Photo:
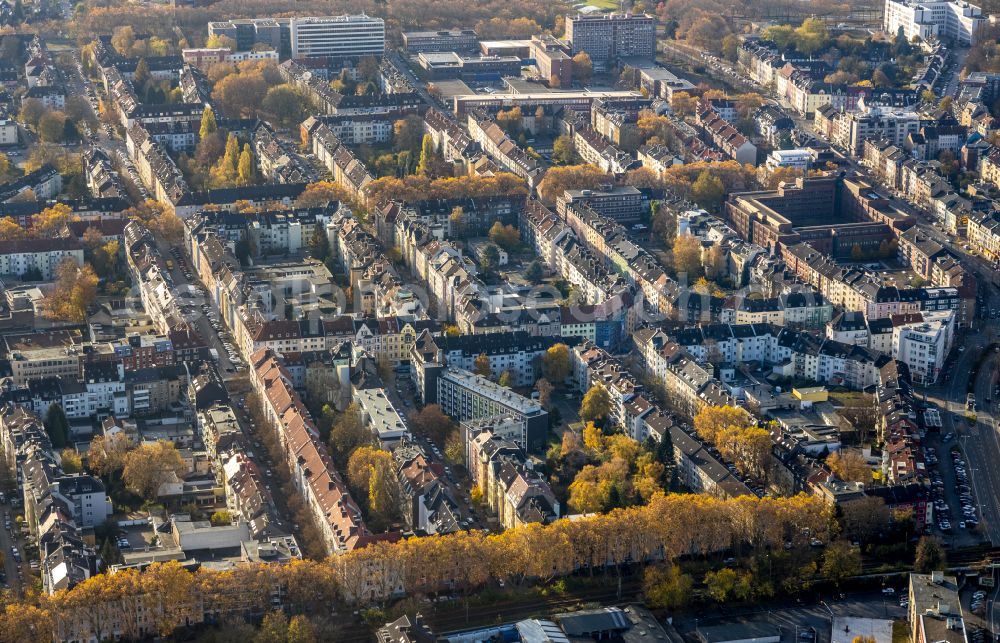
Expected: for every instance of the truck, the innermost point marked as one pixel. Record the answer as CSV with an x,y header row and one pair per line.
x,y
214,353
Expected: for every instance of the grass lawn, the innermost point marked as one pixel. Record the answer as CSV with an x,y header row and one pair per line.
x,y
603,4
900,632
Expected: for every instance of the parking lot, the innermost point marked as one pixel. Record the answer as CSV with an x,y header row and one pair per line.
x,y
955,510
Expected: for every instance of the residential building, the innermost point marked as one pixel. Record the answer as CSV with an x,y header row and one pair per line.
x,y
467,396
935,609
610,37
923,343
512,491
41,257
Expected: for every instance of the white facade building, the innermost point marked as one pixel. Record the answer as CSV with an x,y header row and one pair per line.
x,y
958,21
797,159
8,131
924,345
337,36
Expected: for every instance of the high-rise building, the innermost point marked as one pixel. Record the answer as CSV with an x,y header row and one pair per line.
x,y
608,37
307,36
337,36
954,20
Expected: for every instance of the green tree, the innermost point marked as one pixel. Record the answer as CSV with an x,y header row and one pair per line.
x,y
285,103
596,404
930,555
245,168
666,587
535,272
428,157
231,158
31,112
208,125
841,560
273,628
141,76
490,260
52,127
57,426
665,456
506,380
71,462
720,584
505,236
432,422
811,36
348,432
708,190
563,151
687,256
150,465
408,134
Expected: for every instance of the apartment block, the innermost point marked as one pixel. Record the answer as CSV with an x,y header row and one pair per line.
x,y
609,37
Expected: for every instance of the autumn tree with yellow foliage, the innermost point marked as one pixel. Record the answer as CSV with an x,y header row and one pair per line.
x,y
165,596
734,432
417,187
158,219
74,291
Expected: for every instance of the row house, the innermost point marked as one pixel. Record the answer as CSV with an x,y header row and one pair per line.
x,y
593,366
984,234
855,289
157,169
150,275
102,179
800,309
427,503
346,168
922,183
450,138
885,161
495,142
45,183
794,353
558,245
277,162
57,507
989,167
595,149
658,158
727,138
512,490
313,473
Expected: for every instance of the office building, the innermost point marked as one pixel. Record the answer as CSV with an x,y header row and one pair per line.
x,y
337,36
958,22
463,41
